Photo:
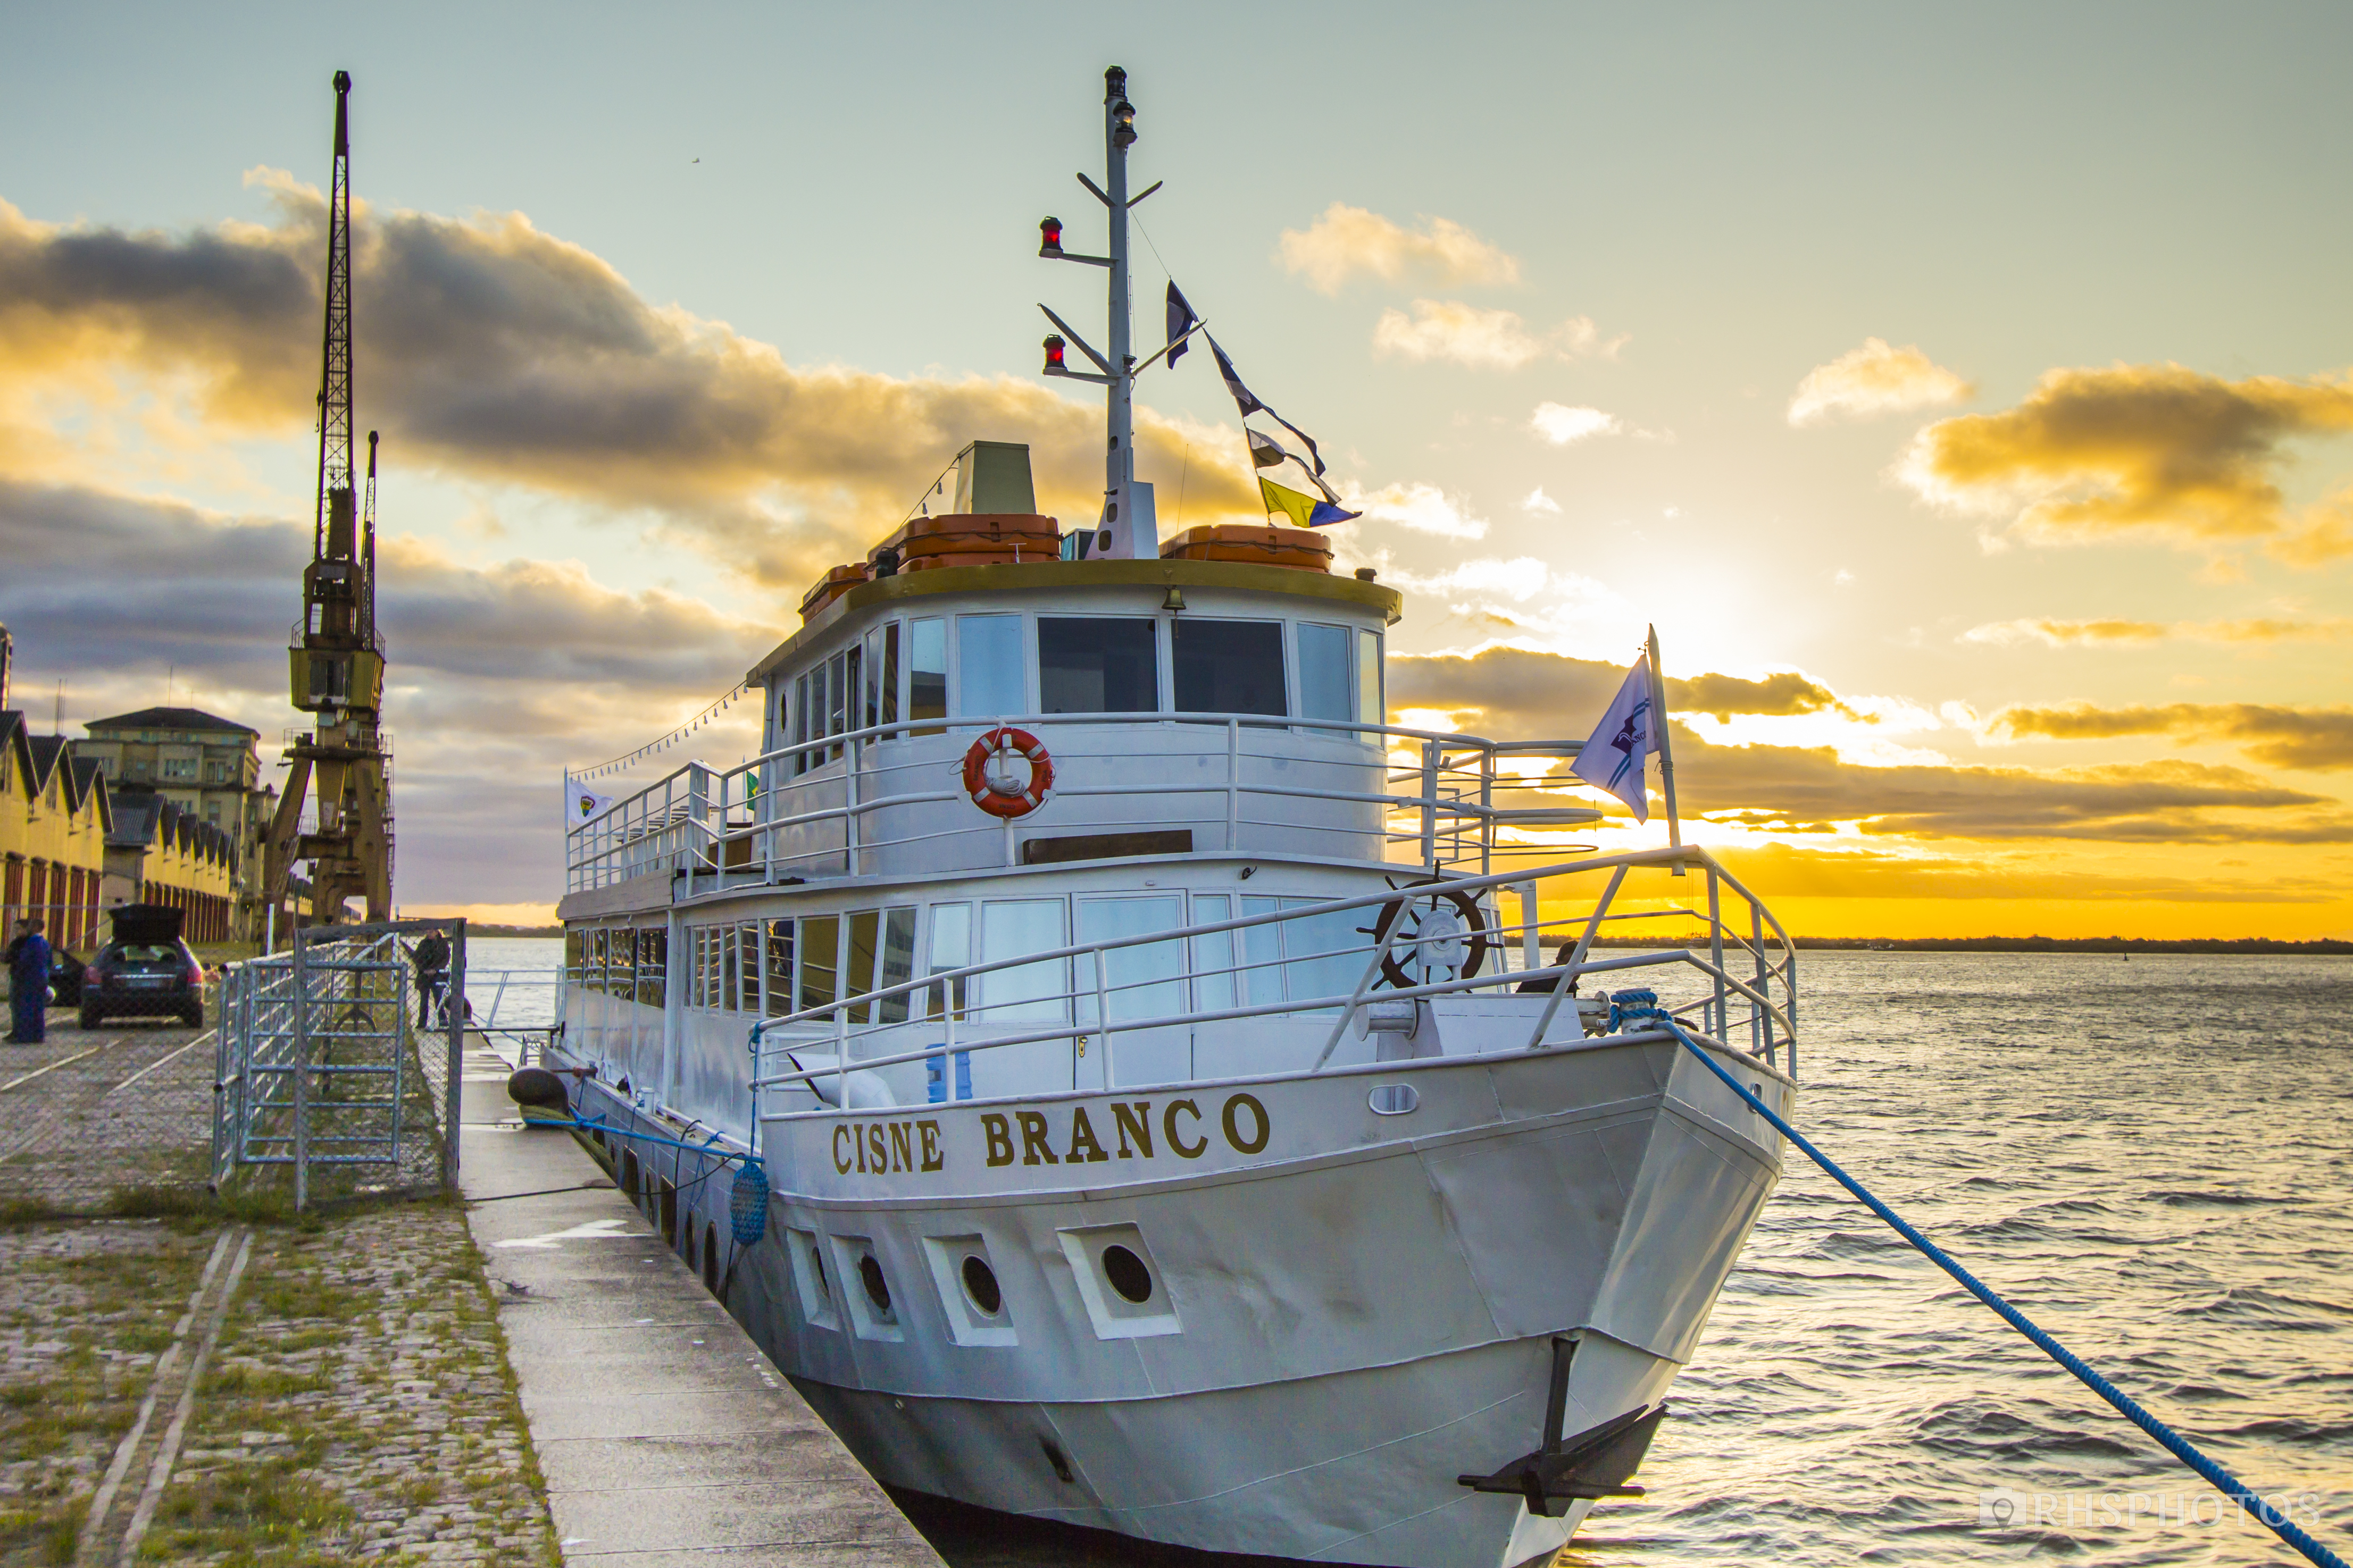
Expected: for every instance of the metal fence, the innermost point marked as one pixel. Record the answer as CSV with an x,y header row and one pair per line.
x,y
338,1064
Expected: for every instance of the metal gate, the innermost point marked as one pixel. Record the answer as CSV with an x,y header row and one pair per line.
x,y
339,1063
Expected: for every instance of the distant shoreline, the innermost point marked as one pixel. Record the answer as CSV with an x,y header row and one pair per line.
x,y
2328,947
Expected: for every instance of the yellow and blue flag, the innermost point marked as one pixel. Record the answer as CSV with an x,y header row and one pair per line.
x,y
1306,511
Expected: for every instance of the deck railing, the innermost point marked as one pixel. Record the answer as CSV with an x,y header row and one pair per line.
x,y
1738,987
1452,804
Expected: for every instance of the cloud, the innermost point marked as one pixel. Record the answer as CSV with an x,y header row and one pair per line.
x,y
1494,340
491,350
1424,508
2310,739
1560,424
497,673
1537,501
2153,450
2054,633
1874,379
2324,535
1519,579
1515,693
1345,241
1519,691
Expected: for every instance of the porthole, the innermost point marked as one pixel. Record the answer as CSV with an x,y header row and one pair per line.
x,y
1127,1274
1393,1098
878,1290
980,1285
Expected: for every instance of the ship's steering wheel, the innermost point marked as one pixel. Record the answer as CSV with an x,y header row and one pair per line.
x,y
1440,937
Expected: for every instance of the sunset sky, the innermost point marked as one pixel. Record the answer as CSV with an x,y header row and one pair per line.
x,y
1966,395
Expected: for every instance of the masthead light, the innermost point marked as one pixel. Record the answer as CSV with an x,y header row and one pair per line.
x,y
1049,237
1054,346
1123,114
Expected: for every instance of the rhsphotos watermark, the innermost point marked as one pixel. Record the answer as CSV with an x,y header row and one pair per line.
x,y
2187,1508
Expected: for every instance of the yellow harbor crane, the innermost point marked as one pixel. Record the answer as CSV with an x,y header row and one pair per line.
x,y
336,660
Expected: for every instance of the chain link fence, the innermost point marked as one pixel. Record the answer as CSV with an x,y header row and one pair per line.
x,y
338,1062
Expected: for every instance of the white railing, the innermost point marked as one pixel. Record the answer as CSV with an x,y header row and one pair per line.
x,y
1743,981
850,804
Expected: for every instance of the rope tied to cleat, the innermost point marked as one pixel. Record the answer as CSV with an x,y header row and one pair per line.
x,y
2214,1475
747,1196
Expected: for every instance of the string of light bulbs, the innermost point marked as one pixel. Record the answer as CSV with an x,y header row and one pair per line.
x,y
718,705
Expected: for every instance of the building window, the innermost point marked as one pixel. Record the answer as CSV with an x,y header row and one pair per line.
x,y
1098,663
180,768
1229,666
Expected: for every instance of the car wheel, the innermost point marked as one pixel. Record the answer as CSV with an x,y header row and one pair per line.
x,y
193,1014
90,1016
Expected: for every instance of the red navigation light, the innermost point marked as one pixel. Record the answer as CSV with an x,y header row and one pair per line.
x,y
1049,237
1054,346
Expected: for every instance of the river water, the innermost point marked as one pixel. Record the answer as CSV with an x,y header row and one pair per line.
x,y
2151,1158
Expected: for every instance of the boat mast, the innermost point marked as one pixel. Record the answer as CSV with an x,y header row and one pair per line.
x,y
1128,527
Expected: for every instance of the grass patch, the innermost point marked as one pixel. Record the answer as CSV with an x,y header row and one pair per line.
x,y
264,1514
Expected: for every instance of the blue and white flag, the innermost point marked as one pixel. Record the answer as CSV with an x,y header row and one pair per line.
x,y
582,804
1616,757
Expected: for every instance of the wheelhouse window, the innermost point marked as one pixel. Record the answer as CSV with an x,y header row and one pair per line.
x,y
927,672
1229,666
988,667
1371,709
1323,670
1098,663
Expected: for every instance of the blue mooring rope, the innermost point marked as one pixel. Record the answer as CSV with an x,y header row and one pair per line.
x,y
2175,1443
747,1198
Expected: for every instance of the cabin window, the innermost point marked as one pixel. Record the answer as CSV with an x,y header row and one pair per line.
x,y
842,696
731,993
865,931
1229,666
871,714
1147,981
1371,708
1213,955
898,964
820,953
1098,663
927,672
1262,953
653,963
575,948
594,979
1327,953
800,720
779,991
988,667
951,949
621,964
1025,993
1323,675
890,714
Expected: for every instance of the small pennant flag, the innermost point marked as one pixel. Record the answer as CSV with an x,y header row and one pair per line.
x,y
1245,400
1301,507
1616,759
1266,452
1181,320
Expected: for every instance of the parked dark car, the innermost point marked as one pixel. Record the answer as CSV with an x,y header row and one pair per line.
x,y
64,978
145,972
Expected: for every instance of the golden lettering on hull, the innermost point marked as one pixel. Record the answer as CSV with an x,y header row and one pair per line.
x,y
1135,1129
885,1148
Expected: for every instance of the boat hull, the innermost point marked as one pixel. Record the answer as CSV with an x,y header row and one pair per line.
x,y
1349,1311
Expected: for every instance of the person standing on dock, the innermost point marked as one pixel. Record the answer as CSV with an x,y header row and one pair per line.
x,y
431,957
28,983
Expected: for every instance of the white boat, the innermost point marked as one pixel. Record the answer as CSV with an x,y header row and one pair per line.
x,y
1176,1114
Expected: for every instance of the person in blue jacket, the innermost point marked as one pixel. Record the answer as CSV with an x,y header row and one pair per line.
x,y
28,982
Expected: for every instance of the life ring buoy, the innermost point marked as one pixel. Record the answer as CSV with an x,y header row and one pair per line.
x,y
993,797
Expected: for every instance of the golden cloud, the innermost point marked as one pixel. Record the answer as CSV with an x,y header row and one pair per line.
x,y
1514,691
2113,633
1561,425
1795,872
1346,241
2311,739
2156,449
1874,379
2324,535
1487,339
489,349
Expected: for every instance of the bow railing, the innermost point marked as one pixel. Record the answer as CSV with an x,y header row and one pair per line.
x,y
1311,990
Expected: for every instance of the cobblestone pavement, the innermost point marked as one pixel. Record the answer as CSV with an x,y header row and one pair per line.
x,y
356,1407
83,1115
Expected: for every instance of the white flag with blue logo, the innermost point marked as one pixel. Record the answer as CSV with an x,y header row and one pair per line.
x,y
1616,757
